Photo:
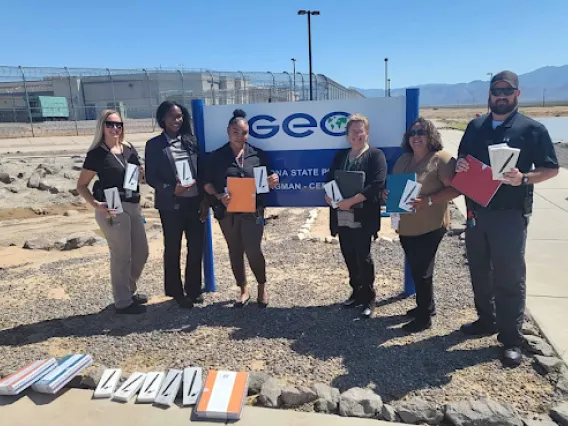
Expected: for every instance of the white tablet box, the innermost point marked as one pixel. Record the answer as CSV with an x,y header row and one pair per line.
x,y
170,388
192,385
151,387
223,395
108,383
130,387
26,376
66,370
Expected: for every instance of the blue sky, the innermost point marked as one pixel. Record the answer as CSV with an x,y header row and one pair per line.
x,y
426,41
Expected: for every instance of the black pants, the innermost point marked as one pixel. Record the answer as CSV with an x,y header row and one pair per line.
x,y
420,253
243,233
496,255
175,223
356,249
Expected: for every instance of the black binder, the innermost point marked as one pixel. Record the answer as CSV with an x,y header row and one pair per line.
x,y
350,184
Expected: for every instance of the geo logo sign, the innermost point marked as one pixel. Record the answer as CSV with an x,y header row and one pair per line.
x,y
298,125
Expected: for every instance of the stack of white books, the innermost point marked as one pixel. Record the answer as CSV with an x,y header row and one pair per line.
x,y
63,373
26,376
503,158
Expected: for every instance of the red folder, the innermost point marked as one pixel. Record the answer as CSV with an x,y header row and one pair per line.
x,y
477,183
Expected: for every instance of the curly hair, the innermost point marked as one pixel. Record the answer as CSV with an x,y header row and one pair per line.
x,y
434,137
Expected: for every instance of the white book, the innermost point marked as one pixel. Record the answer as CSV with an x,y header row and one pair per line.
x,y
170,388
108,383
261,180
112,198
192,384
184,172
130,387
26,376
66,369
332,191
502,158
411,192
151,387
131,177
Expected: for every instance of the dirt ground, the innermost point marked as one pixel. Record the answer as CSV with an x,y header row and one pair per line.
x,y
451,114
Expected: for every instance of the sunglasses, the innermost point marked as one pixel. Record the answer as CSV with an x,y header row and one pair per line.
x,y
507,91
419,132
113,124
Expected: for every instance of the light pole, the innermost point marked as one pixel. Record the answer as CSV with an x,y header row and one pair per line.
x,y
309,13
294,74
386,75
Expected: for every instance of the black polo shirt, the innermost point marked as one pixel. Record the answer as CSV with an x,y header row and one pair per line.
x,y
110,168
222,164
518,131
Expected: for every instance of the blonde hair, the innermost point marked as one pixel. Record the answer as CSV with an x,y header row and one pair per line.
x,y
100,129
358,118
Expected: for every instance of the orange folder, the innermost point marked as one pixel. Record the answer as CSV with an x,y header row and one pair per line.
x,y
223,395
243,195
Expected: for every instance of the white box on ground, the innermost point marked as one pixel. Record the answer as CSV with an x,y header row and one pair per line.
x,y
184,173
223,395
411,192
170,388
108,383
112,198
131,177
26,376
151,387
130,387
332,191
192,384
502,158
261,180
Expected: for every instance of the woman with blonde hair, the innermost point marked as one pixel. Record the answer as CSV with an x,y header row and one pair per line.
x,y
108,158
357,226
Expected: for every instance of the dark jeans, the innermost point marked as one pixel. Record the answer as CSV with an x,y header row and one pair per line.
x,y
420,253
243,234
175,223
496,255
356,249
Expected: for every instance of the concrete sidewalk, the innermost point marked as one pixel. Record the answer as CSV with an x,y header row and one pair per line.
x,y
75,407
547,266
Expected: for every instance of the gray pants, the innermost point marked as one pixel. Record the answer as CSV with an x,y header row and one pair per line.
x,y
243,234
126,238
496,255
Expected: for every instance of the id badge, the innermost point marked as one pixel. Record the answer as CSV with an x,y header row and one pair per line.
x,y
471,219
128,193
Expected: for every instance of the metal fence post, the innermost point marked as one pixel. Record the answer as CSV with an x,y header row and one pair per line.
x,y
303,86
272,87
150,99
112,86
243,88
27,100
317,88
290,87
72,102
182,87
212,85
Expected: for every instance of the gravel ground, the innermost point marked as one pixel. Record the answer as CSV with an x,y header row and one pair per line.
x,y
303,337
562,154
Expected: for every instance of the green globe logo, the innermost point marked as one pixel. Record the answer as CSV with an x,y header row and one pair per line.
x,y
337,125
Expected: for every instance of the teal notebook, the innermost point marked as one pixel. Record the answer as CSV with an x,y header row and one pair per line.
x,y
395,186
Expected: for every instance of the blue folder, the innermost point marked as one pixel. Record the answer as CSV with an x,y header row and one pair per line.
x,y
395,186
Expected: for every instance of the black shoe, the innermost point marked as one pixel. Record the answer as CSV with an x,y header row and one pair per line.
x,y
140,299
512,357
262,305
412,313
367,311
351,302
417,325
198,300
479,329
133,309
241,304
184,302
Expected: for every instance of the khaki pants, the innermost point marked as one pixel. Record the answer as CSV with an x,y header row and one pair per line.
x,y
126,238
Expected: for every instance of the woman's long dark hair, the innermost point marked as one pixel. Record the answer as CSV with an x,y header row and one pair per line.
x,y
434,137
163,109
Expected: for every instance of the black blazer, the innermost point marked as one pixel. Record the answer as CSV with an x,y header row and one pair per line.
x,y
161,169
374,164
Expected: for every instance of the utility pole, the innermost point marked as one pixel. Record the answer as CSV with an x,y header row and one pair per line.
x,y
294,74
310,13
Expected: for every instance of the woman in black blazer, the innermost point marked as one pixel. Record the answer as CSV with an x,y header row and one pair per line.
x,y
183,209
357,226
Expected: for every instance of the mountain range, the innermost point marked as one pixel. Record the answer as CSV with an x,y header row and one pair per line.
x,y
549,82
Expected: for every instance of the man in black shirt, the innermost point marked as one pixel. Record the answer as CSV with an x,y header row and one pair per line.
x,y
496,235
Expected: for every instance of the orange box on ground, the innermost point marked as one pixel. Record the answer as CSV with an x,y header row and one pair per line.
x,y
223,395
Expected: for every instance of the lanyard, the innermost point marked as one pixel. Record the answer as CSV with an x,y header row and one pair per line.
x,y
117,159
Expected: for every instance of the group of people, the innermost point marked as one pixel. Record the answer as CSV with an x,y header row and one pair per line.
x,y
495,234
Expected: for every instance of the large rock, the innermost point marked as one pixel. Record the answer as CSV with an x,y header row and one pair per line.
x,y
482,412
538,346
74,191
560,414
44,185
35,179
50,169
529,329
270,393
388,413
562,383
39,244
419,411
77,241
256,380
549,364
6,178
539,421
292,396
327,398
357,402
71,213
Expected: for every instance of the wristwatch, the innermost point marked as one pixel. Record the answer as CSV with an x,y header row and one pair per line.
x,y
430,202
525,180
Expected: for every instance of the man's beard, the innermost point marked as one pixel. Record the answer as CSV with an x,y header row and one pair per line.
x,y
503,107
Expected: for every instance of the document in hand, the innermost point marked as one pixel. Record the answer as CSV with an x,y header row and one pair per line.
x,y
411,192
243,195
333,192
131,177
396,184
261,179
112,198
184,172
477,183
350,184
503,158
223,395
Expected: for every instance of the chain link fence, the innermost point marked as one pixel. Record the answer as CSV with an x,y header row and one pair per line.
x,y
67,101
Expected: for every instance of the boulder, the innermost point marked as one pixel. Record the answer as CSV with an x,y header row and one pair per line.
x,y
39,244
539,421
34,180
74,191
77,241
388,413
419,411
482,412
256,378
71,213
270,393
327,398
549,364
562,383
50,169
292,396
44,185
560,414
358,402
538,346
6,178
529,329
